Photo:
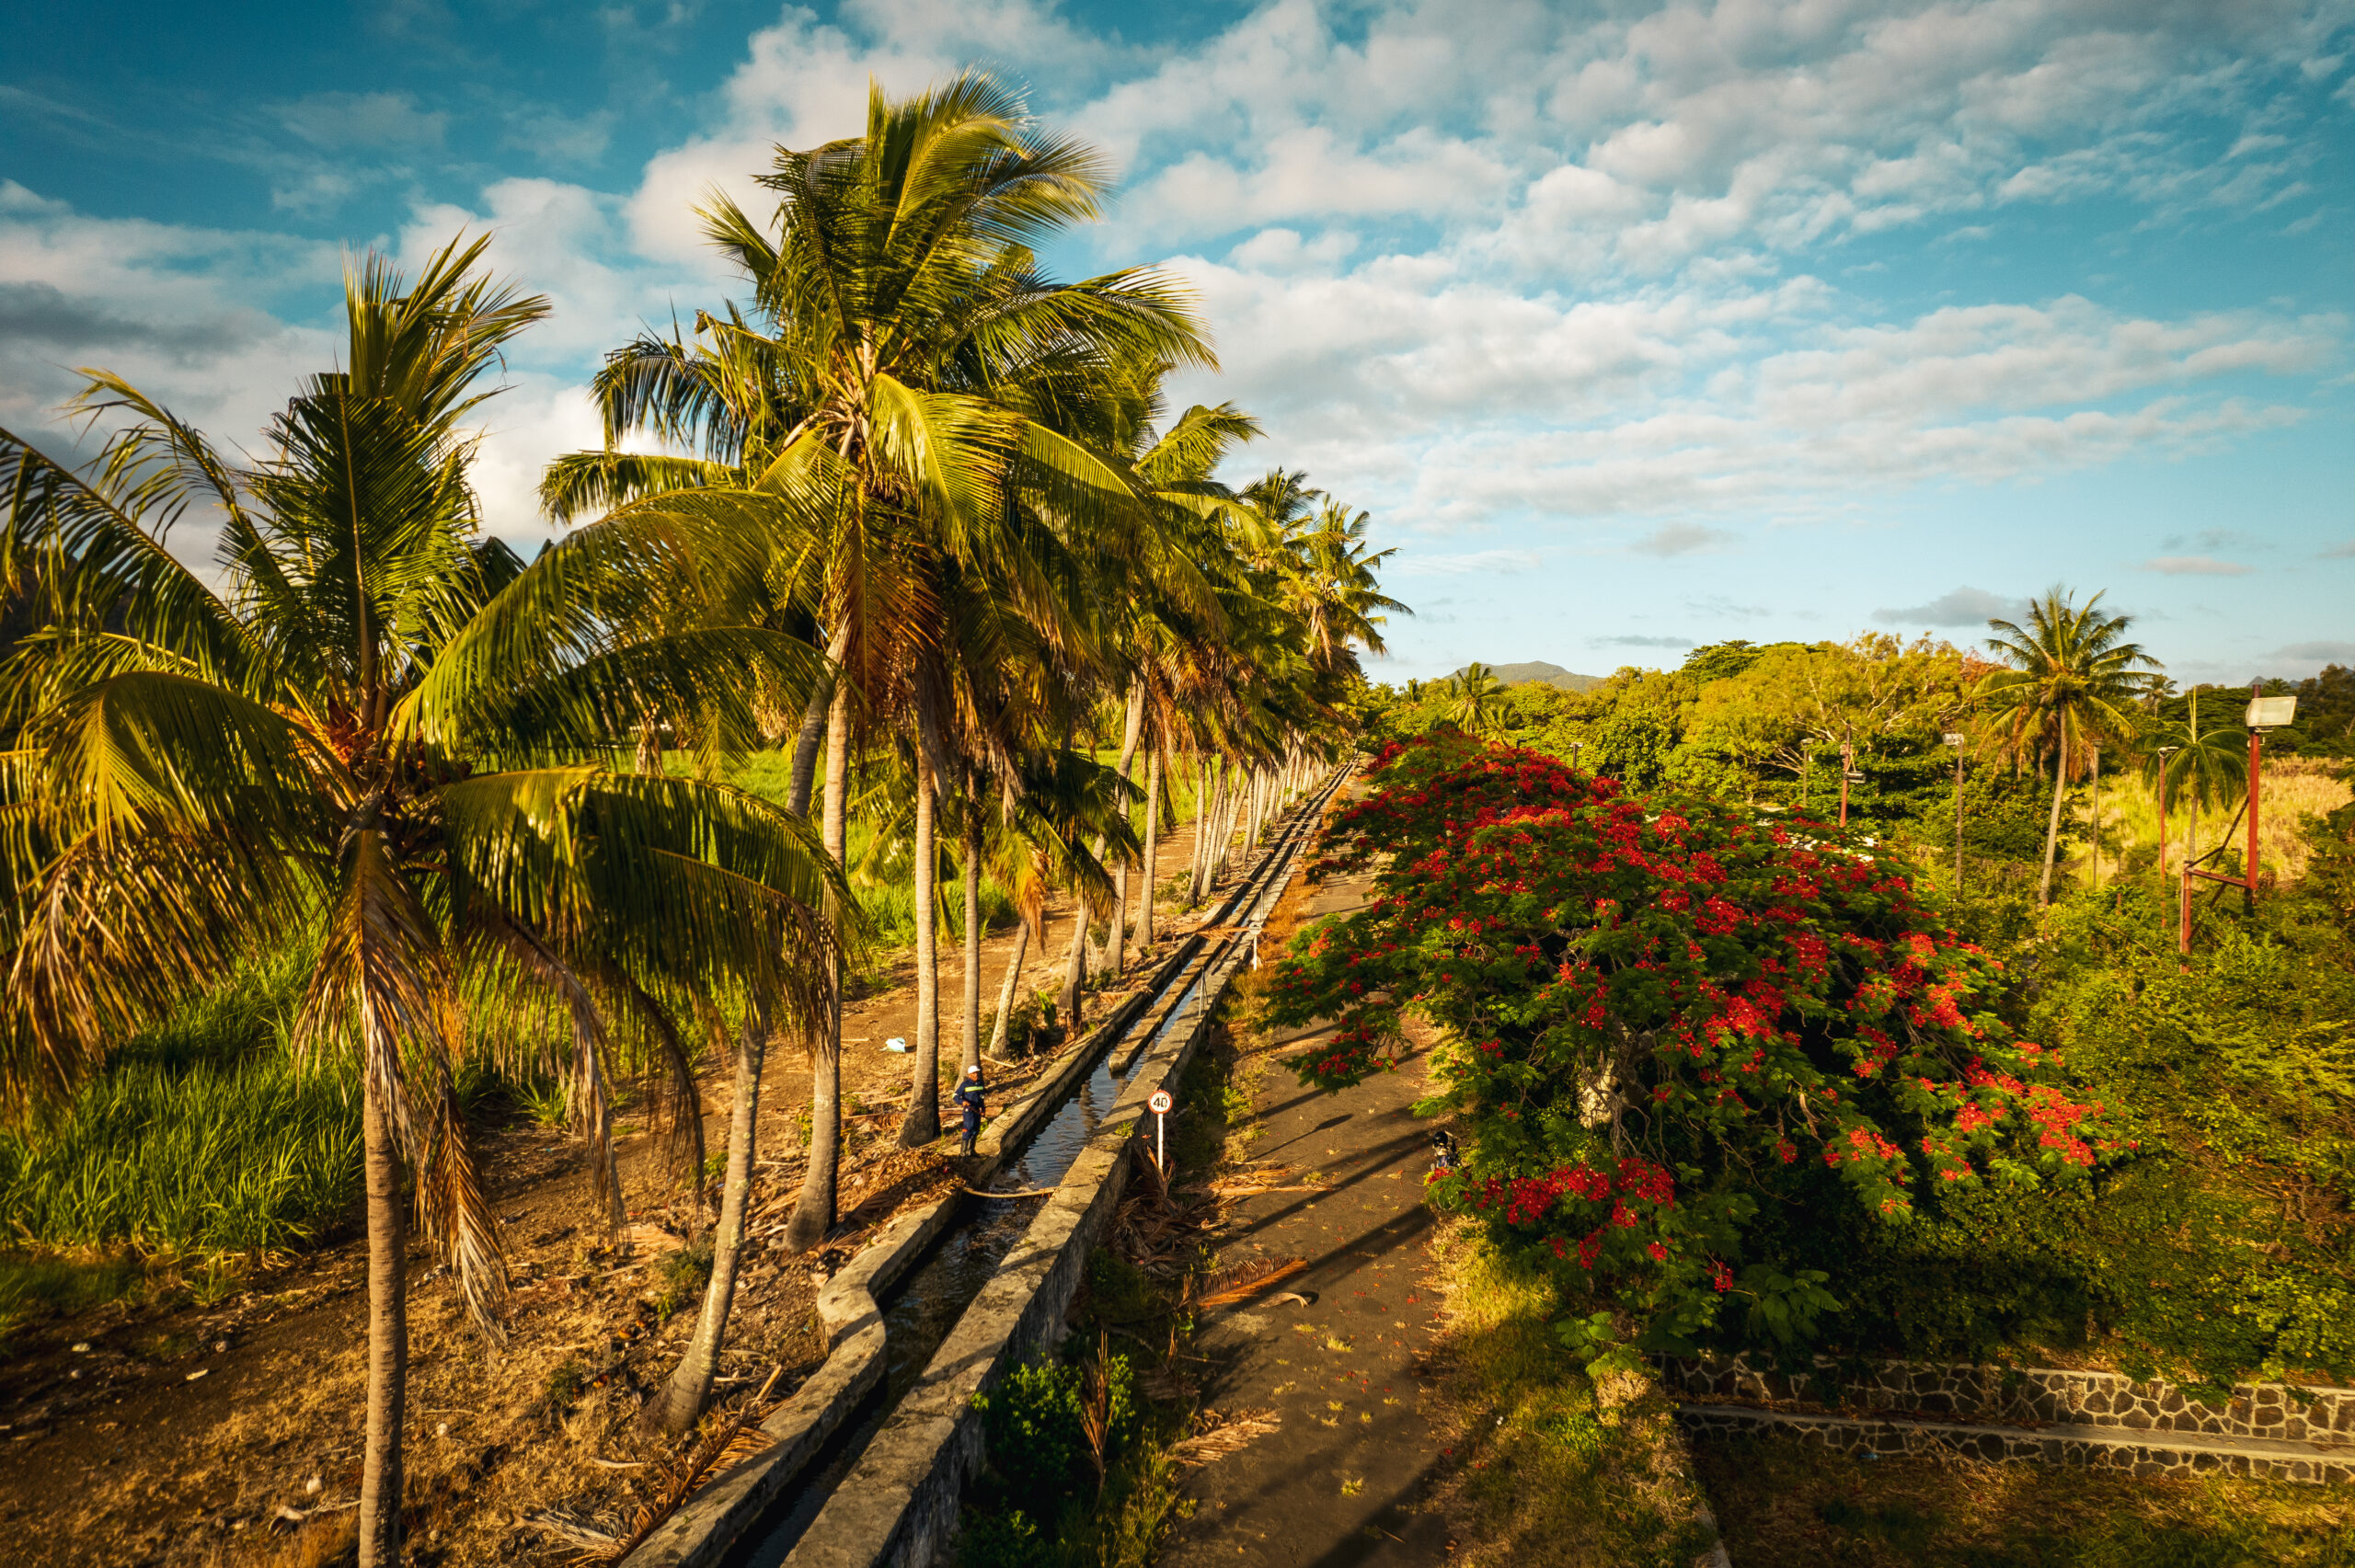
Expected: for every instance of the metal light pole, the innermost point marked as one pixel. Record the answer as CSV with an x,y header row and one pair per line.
x,y
2264,713
1848,768
1954,739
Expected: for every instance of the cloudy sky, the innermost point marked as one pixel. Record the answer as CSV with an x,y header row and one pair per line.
x,y
1635,326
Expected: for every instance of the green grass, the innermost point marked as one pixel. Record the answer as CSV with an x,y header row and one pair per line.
x,y
202,1140
252,1157
1554,1468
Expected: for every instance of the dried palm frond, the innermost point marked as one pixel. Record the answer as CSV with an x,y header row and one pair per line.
x,y
729,1442
452,1214
1244,1280
1217,1434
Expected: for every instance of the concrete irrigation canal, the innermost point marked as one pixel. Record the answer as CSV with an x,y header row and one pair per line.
x,y
867,1461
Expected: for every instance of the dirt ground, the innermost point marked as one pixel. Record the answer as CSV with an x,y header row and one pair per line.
x,y
230,1432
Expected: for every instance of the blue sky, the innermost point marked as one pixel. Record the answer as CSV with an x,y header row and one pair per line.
x,y
1635,326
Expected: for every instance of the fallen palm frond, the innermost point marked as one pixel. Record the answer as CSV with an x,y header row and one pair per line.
x,y
1244,1280
732,1440
1217,1434
1253,1180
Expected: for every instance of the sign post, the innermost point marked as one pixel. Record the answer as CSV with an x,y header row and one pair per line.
x,y
1159,1104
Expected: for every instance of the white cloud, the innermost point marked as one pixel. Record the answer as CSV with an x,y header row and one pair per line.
x,y
2196,566
1962,607
184,314
1681,539
362,119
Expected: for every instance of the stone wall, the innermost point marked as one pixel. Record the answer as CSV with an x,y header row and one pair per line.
x,y
2280,1412
2087,1447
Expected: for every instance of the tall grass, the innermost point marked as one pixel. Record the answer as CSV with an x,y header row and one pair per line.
x,y
2295,792
203,1136
251,1157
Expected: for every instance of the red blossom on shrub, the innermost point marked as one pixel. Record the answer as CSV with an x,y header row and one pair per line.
x,y
1660,1002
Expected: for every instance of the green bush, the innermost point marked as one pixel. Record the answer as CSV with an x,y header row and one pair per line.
x,y
2223,1245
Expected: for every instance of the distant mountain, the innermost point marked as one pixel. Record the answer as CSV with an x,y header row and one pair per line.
x,y
1538,670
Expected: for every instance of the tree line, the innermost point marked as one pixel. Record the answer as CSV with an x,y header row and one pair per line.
x,y
907,505
2059,699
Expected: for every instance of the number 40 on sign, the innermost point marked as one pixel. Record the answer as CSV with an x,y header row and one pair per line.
x,y
1159,1105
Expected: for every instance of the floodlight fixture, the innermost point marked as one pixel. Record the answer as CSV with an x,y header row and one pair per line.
x,y
2270,712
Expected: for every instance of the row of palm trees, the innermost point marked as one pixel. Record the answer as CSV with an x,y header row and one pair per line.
x,y
909,506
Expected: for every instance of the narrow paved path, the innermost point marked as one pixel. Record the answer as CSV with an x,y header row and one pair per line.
x,y
1339,1483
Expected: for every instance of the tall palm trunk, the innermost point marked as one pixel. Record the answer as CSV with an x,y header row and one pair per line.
x,y
970,1053
682,1400
1076,968
1115,954
2053,826
1006,991
923,1122
1152,848
813,1212
1207,808
813,728
380,1468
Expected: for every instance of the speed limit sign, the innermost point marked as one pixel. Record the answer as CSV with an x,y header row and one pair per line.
x,y
1159,1104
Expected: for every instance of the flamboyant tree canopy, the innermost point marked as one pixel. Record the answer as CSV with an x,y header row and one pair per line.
x,y
1654,1009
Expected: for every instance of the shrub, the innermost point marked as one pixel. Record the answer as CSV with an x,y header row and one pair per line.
x,y
1664,1015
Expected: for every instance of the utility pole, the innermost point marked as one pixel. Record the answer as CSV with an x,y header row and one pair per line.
x,y
2264,713
1954,739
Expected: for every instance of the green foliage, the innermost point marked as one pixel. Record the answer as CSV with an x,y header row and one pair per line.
x,y
249,1157
203,1135
683,1274
2222,1247
1038,1444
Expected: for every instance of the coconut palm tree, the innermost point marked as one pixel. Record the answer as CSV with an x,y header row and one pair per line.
x,y
382,725
949,408
2191,765
2072,681
1475,693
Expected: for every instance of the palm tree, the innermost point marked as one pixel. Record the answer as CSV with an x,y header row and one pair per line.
x,y
1475,693
2073,682
2184,763
946,407
382,724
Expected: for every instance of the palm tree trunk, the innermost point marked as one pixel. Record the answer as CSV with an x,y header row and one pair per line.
x,y
682,1400
970,1051
813,1212
814,729
805,754
1116,940
1076,970
1152,848
380,1468
2053,826
1006,991
923,1122
1207,808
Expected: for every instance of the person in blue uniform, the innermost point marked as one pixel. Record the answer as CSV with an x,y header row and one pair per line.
x,y
968,1101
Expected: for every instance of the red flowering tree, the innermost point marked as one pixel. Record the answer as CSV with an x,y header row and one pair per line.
x,y
1655,1009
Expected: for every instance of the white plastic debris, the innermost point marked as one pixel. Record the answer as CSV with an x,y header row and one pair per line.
x,y
895,1044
